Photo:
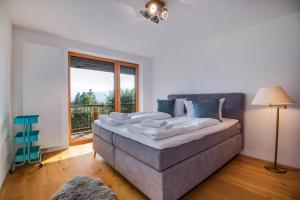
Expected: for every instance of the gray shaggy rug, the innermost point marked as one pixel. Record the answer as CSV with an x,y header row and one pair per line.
x,y
82,187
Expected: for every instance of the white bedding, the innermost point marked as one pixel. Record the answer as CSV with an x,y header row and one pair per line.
x,y
132,118
173,127
171,141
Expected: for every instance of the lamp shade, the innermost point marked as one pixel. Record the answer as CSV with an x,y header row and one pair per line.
x,y
274,95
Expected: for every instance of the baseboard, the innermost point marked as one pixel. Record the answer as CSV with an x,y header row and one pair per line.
x,y
53,149
261,159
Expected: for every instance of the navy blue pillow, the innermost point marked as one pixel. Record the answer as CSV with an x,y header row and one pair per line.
x,y
166,106
207,109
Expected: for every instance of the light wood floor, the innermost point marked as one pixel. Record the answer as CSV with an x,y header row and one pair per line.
x,y
242,178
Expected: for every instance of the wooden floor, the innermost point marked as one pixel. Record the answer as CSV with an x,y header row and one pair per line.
x,y
242,178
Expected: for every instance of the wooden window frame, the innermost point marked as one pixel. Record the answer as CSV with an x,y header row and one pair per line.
x,y
136,82
117,86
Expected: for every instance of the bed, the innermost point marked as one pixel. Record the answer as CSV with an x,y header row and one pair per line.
x,y
163,173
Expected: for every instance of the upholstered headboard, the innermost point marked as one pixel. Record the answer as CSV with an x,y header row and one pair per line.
x,y
234,104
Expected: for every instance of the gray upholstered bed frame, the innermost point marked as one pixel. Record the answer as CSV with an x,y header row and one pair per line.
x,y
170,173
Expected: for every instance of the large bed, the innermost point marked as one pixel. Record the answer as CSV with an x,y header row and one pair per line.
x,y
168,172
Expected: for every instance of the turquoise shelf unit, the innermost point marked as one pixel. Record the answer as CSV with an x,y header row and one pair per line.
x,y
26,153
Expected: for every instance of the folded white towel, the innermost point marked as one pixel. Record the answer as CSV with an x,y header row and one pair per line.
x,y
153,123
119,116
131,118
173,129
111,121
149,131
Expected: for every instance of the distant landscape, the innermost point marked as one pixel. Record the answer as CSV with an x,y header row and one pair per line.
x,y
100,96
127,99
127,96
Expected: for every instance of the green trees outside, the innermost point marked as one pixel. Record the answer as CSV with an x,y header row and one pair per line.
x,y
85,98
89,98
128,100
110,97
127,96
83,116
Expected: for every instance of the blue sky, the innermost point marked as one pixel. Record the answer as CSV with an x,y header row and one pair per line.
x,y
82,80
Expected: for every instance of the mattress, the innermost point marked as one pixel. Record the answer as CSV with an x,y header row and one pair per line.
x,y
104,134
168,142
161,159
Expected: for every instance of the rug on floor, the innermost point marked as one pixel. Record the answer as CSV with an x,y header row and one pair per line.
x,y
83,187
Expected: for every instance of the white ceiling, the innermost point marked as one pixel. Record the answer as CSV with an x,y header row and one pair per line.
x,y
117,24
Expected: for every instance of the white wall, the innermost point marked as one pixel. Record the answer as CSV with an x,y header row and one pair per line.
x,y
243,61
41,78
5,91
23,35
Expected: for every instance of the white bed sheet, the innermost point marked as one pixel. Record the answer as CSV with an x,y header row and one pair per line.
x,y
172,141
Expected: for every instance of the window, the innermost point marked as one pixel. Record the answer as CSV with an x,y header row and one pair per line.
x,y
99,86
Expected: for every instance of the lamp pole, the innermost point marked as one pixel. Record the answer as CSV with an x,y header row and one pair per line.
x,y
274,166
276,141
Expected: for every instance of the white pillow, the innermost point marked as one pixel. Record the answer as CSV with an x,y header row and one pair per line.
x,y
179,107
189,108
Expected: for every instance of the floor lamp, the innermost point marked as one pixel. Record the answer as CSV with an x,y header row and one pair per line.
x,y
273,96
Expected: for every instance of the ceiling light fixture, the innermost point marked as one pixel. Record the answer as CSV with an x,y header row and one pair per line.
x,y
155,11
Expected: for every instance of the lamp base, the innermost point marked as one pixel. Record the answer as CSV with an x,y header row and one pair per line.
x,y
277,169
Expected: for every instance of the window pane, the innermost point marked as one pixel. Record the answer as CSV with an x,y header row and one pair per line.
x,y
127,85
92,94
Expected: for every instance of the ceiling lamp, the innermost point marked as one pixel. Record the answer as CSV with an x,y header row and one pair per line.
x,y
155,11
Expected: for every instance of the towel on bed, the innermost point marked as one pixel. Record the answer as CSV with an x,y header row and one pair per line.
x,y
153,123
134,118
173,128
119,116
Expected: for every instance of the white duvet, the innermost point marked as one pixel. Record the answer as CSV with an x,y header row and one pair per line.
x,y
172,127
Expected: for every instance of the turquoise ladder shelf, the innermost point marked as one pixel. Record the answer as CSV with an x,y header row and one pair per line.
x,y
27,152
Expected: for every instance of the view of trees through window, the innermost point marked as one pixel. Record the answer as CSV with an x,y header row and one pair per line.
x,y
93,88
89,98
85,105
